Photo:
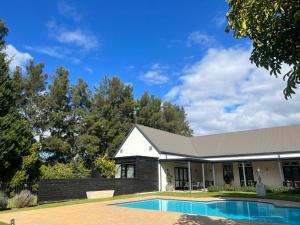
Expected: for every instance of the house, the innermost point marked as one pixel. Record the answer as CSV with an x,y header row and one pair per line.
x,y
235,158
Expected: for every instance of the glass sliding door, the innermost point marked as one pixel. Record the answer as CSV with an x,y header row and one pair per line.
x,y
291,173
248,172
181,177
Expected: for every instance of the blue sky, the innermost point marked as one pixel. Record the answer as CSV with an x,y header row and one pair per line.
x,y
159,46
124,38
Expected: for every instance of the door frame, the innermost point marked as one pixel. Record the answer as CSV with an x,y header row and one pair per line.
x,y
180,180
248,166
291,168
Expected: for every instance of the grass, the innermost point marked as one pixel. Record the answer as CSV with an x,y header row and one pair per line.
x,y
282,196
1,223
276,196
73,202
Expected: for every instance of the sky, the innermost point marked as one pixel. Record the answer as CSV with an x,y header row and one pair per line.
x,y
173,49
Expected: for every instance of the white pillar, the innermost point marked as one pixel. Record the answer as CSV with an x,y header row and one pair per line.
x,y
190,178
203,175
244,174
160,180
214,175
280,171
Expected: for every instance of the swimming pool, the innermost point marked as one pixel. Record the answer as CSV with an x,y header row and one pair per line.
x,y
232,209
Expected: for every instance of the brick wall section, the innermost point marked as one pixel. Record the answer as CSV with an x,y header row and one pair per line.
x,y
146,180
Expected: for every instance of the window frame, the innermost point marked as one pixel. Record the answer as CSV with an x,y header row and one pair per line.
x,y
290,170
226,172
124,170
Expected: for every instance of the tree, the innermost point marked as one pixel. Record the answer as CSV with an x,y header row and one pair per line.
x,y
29,170
3,33
111,117
152,112
15,134
149,111
57,144
18,84
75,130
80,107
105,166
174,120
81,97
274,28
31,90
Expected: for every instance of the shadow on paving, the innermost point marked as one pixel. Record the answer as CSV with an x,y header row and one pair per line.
x,y
203,220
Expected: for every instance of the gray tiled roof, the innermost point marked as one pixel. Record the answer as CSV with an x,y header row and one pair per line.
x,y
168,142
260,141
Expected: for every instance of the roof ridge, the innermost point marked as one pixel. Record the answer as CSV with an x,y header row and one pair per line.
x,y
162,130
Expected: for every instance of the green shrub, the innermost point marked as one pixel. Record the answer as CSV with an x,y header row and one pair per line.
x,y
64,171
79,170
105,166
231,188
3,200
29,172
275,190
57,171
279,190
215,188
24,199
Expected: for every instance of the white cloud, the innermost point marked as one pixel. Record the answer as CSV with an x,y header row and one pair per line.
x,y
16,57
55,51
174,42
201,39
220,19
76,37
225,92
68,10
130,67
88,69
156,75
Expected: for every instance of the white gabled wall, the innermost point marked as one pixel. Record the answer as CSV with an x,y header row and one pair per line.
x,y
137,145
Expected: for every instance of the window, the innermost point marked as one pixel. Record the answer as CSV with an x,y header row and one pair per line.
x,y
181,177
228,172
249,179
291,170
118,171
125,171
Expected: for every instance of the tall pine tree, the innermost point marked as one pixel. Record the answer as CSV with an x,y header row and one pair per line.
x,y
174,120
110,119
152,112
31,91
149,111
57,143
15,135
80,108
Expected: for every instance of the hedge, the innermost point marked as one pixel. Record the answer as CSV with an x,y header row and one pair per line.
x,y
270,189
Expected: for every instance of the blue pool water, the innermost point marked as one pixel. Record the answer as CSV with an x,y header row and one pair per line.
x,y
240,210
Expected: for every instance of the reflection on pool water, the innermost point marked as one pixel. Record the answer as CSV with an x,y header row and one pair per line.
x,y
240,210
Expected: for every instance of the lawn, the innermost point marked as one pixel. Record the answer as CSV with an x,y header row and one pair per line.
x,y
281,196
277,196
73,202
1,223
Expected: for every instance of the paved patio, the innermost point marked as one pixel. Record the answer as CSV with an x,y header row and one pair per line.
x,y
104,214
